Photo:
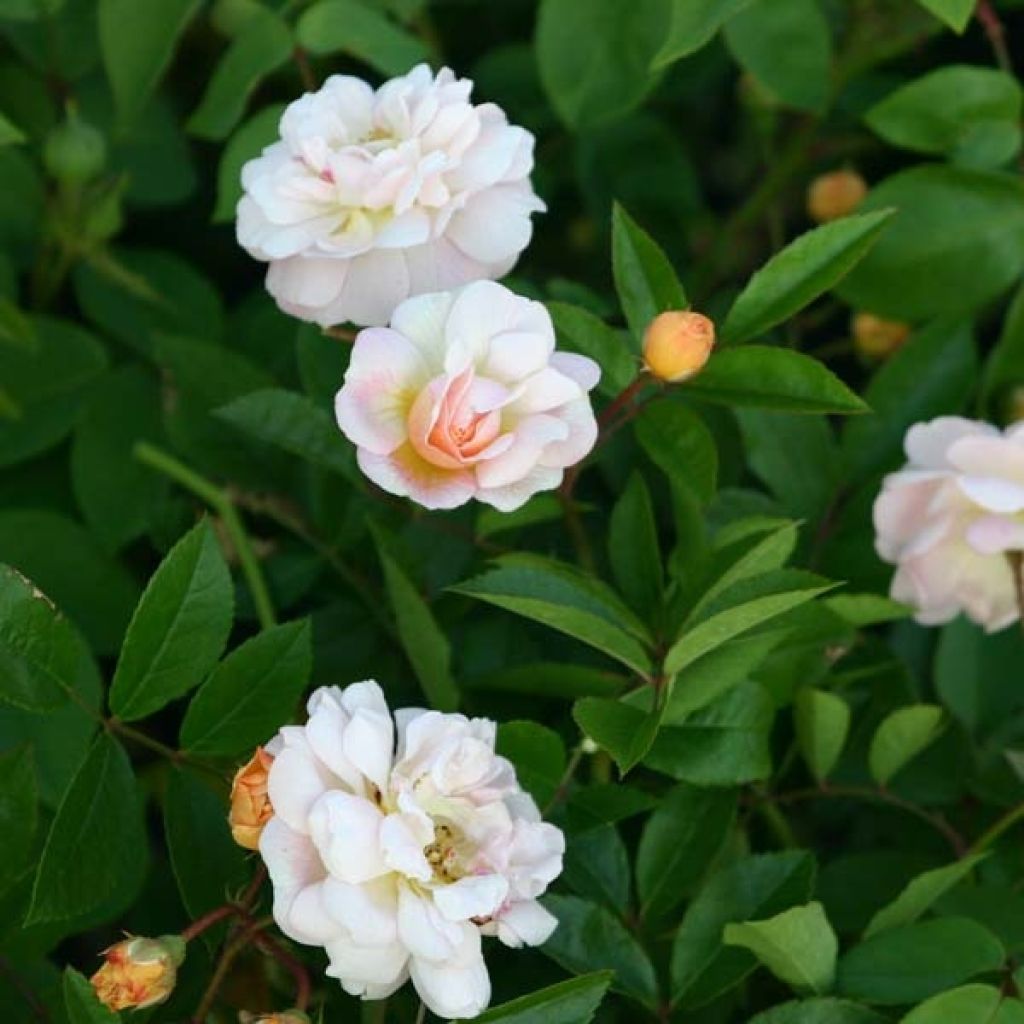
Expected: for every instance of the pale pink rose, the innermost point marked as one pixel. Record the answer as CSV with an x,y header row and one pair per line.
x,y
398,842
949,518
464,396
372,196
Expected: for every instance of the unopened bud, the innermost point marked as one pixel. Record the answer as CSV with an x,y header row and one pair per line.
x,y
281,1017
677,344
875,338
139,972
834,195
250,801
75,151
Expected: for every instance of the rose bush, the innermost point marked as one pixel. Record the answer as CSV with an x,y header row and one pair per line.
x,y
628,394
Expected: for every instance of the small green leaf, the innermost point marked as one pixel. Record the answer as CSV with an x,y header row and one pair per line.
x,y
581,331
353,28
538,755
633,548
97,844
692,25
677,441
798,946
822,722
900,737
259,49
905,965
247,142
137,42
424,643
970,115
295,424
920,893
569,1002
971,1004
9,133
796,276
763,377
752,887
679,844
565,599
251,693
819,1011
596,867
955,13
178,630
591,938
82,1003
644,277
18,812
623,730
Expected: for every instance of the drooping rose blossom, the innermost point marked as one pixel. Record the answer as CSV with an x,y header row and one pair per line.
x,y
398,842
372,196
464,396
950,517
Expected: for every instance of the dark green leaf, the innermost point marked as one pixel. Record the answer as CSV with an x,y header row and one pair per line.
x,y
623,730
900,737
581,331
81,1002
18,812
597,866
247,142
679,443
538,755
633,548
692,24
819,1011
569,1002
178,630
955,13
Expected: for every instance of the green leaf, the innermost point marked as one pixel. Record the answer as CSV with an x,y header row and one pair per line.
x,y
900,737
970,115
726,743
251,693
18,812
678,441
798,946
867,609
740,608
259,49
137,42
569,1002
353,28
596,867
932,374
1004,367
591,938
822,721
64,561
752,887
971,1004
644,277
764,29
956,243
593,806
594,59
81,1002
207,863
422,639
624,731
818,1011
538,755
9,133
679,844
633,548
178,630
920,893
764,377
905,965
97,844
581,331
247,142
565,599
38,648
955,13
294,424
118,496
48,382
796,276
692,25
551,679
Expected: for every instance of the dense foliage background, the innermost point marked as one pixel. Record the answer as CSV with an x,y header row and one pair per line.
x,y
705,604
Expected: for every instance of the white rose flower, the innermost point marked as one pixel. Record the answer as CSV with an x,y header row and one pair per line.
x,y
372,196
396,843
950,517
464,396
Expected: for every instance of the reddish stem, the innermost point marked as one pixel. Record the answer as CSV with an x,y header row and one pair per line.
x,y
297,971
201,924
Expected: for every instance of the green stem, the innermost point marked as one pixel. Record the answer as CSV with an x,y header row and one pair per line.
x,y
221,503
997,830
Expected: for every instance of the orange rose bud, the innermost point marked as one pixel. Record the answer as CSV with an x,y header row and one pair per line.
x,y
138,972
875,338
677,344
250,803
834,195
